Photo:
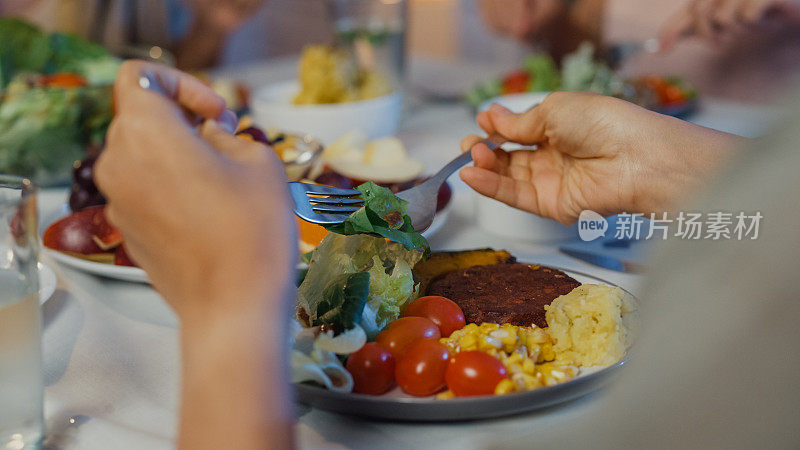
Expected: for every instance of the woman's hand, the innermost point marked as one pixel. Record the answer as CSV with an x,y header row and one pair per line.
x,y
594,152
712,19
202,211
207,216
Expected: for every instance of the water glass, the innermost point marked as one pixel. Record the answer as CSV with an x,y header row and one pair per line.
x,y
21,391
375,32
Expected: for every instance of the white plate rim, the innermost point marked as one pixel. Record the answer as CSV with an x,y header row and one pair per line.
x,y
125,273
47,282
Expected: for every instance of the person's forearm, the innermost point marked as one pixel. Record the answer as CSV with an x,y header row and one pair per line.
x,y
674,159
201,48
235,385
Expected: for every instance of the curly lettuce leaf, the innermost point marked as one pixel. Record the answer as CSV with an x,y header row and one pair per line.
x,y
544,73
72,53
24,48
580,72
43,130
389,294
383,214
343,301
388,265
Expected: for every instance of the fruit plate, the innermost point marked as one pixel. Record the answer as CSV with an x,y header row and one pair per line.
x,y
397,406
135,274
125,273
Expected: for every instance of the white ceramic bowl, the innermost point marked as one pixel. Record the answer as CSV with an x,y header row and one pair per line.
x,y
500,219
272,108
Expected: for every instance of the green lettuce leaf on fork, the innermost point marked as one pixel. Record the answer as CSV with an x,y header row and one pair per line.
x,y
383,214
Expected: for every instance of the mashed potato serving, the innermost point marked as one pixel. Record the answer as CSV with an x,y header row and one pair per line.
x,y
593,325
327,75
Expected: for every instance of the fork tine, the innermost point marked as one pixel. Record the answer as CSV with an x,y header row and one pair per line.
x,y
298,188
331,209
335,201
329,191
338,210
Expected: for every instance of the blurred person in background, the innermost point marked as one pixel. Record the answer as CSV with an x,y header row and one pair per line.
x,y
715,364
557,26
196,31
738,49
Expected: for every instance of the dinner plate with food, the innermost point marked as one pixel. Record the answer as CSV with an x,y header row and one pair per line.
x,y
583,71
384,328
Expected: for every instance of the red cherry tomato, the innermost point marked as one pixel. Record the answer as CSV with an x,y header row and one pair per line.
x,y
672,94
64,80
445,313
516,82
372,368
421,371
474,373
398,336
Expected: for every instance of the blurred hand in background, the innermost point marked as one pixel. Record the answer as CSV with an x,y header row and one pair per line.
x,y
713,20
556,26
519,19
223,16
214,22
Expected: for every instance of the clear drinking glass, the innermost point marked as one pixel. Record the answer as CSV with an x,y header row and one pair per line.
x,y
375,31
21,394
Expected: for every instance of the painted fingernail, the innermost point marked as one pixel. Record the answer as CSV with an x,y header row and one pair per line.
x,y
228,121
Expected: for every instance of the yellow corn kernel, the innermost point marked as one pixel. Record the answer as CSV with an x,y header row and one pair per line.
x,y
531,382
519,381
528,367
446,395
547,353
514,358
505,386
468,342
486,343
514,368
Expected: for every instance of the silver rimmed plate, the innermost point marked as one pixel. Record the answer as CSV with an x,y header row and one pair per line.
x,y
400,407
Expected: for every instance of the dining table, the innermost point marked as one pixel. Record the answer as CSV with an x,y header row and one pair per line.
x,y
111,349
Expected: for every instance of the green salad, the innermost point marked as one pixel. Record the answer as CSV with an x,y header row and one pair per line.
x,y
579,71
361,274
55,100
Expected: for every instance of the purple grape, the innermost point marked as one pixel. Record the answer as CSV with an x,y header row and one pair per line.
x,y
81,198
331,178
82,173
256,134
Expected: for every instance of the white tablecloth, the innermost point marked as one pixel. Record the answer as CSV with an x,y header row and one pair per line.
x,y
111,353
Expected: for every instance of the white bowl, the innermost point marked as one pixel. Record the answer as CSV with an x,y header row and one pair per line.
x,y
502,220
272,108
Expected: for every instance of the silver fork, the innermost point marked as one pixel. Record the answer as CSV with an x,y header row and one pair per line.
x,y
325,205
